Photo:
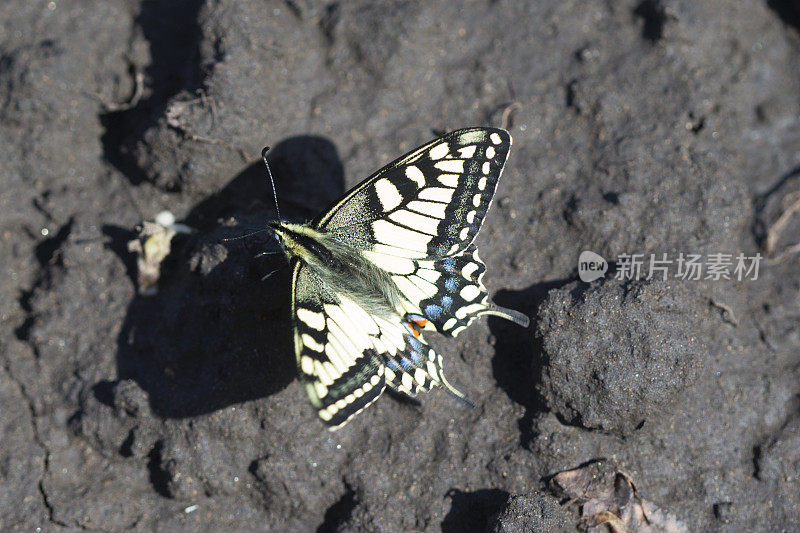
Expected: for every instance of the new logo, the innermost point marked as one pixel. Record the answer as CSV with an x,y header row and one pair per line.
x,y
591,266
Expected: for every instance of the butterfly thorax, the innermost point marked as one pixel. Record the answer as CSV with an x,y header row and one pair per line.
x,y
340,265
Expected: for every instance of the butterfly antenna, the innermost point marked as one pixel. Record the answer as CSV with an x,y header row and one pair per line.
x,y
272,181
246,235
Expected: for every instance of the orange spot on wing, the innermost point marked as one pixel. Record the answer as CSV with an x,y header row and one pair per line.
x,y
414,324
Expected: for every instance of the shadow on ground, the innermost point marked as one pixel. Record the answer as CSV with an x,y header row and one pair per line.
x,y
471,511
216,334
517,363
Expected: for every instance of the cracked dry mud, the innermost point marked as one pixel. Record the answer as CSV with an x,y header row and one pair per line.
x,y
639,127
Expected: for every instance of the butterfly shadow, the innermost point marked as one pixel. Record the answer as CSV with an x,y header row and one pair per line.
x,y
517,363
216,333
472,511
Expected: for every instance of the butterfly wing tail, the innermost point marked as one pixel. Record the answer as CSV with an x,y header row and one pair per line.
x,y
508,314
457,394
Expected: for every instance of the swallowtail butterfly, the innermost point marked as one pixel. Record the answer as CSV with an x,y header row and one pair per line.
x,y
393,257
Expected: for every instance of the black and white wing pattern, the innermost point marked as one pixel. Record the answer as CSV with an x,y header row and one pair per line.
x,y
335,342
417,219
407,232
347,356
449,293
430,203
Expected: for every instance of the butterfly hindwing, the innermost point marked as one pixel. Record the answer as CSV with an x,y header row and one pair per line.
x,y
346,357
336,358
448,293
414,367
460,297
430,203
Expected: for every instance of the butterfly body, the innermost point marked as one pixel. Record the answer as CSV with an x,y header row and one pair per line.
x,y
393,257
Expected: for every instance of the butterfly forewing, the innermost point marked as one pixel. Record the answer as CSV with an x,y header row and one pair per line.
x,y
430,203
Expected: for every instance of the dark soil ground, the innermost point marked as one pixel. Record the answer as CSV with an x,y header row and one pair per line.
x,y
645,127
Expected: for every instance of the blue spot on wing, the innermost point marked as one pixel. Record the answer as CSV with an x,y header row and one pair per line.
x,y
446,302
451,284
415,356
433,311
391,363
415,343
406,363
449,265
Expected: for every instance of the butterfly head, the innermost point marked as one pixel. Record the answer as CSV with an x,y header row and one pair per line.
x,y
277,231
299,240
281,235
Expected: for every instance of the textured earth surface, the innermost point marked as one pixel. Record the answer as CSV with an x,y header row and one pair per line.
x,y
644,127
